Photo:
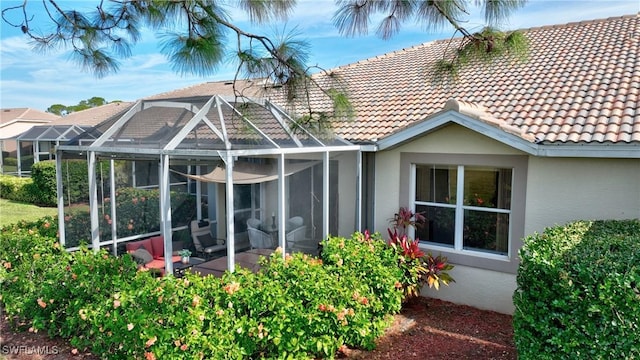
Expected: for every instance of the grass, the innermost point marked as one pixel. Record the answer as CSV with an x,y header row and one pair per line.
x,y
11,212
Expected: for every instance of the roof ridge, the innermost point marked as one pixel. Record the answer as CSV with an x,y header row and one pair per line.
x,y
581,22
438,41
388,54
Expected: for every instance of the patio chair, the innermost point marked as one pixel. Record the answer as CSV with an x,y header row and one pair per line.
x,y
297,241
205,244
258,238
254,223
294,223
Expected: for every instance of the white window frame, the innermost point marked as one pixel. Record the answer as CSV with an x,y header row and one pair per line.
x,y
457,255
458,243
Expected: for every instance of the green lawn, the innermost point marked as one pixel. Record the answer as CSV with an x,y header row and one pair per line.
x,y
12,212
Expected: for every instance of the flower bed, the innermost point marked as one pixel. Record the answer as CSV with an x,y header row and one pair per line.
x,y
299,306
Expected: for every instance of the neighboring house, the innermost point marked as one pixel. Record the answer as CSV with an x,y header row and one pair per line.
x,y
38,143
14,122
504,150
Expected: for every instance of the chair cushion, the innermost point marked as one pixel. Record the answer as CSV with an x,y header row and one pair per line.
x,y
135,245
157,243
207,240
214,248
142,256
155,264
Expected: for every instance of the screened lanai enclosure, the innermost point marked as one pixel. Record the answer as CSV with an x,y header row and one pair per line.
x,y
227,164
38,144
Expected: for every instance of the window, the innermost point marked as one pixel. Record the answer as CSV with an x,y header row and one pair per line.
x,y
474,206
246,205
467,207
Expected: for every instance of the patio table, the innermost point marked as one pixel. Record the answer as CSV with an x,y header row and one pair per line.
x,y
247,259
180,268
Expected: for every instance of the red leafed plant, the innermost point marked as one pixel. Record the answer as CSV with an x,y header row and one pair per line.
x,y
408,247
419,269
437,268
405,218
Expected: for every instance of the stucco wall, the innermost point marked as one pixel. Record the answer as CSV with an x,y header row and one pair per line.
x,y
558,190
561,190
452,139
483,289
347,196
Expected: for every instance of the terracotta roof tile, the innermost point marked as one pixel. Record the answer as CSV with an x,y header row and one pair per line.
x,y
10,114
94,116
579,77
241,87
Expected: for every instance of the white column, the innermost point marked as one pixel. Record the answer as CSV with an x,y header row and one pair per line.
x,y
231,241
112,196
281,203
165,213
93,202
60,194
19,155
325,195
359,190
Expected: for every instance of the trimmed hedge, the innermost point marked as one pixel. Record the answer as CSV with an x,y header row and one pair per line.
x,y
16,188
296,307
44,191
578,293
41,189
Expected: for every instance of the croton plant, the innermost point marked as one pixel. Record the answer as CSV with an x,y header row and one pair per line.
x,y
419,268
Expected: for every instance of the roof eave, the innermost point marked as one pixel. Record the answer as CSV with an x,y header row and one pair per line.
x,y
581,150
442,118
590,150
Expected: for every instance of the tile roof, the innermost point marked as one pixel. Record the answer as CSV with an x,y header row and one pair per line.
x,y
581,84
10,114
95,115
247,88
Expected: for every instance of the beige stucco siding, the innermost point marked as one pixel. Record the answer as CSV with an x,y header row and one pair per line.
x,y
481,288
565,189
557,190
453,139
347,192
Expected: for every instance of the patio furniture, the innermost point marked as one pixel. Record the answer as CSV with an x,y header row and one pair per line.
x,y
249,259
297,241
149,252
205,244
294,223
258,238
180,268
254,223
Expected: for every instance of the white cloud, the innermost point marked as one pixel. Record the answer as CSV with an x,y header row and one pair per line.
x,y
35,80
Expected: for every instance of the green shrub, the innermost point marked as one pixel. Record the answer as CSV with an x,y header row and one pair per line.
x,y
75,181
30,256
9,161
578,293
16,188
295,307
44,190
371,261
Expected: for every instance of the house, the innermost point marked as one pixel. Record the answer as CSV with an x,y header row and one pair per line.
x,y
502,151
38,143
13,122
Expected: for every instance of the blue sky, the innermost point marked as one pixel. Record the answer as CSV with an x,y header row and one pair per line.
x,y
31,79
